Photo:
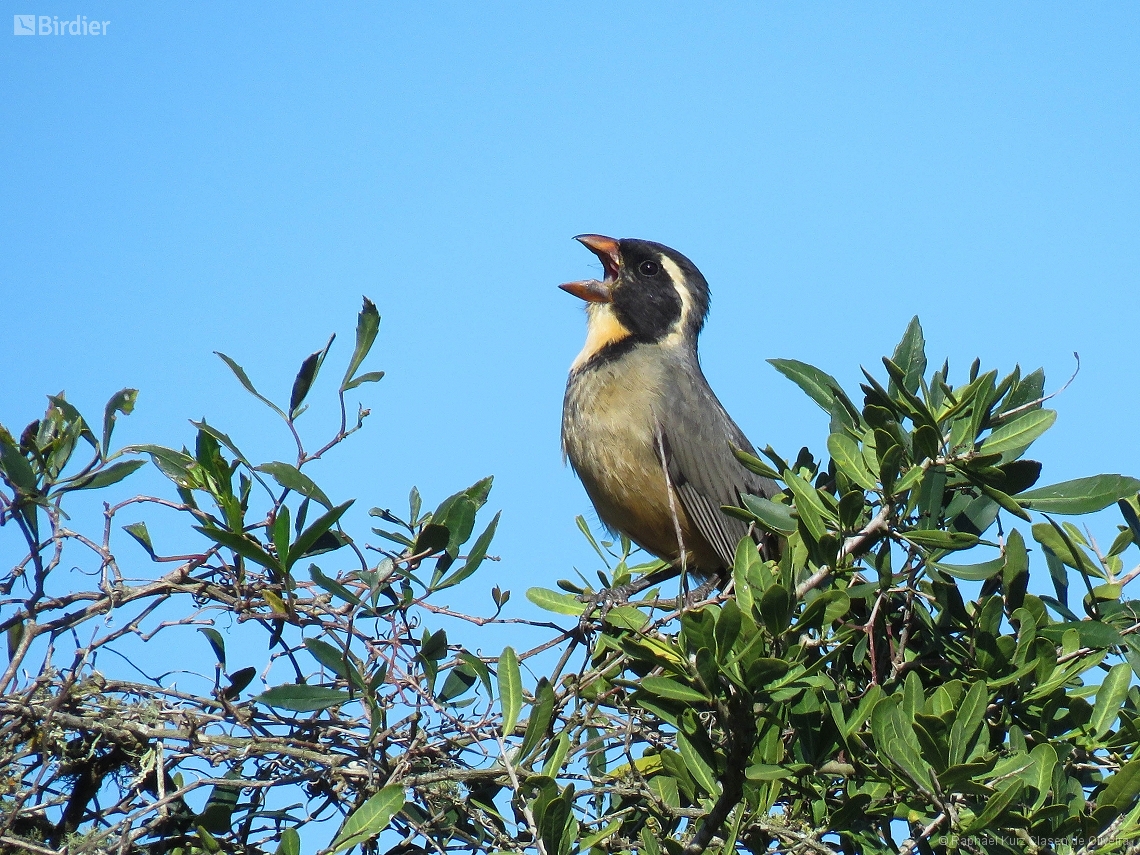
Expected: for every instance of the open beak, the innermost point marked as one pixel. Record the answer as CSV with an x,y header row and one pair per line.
x,y
591,290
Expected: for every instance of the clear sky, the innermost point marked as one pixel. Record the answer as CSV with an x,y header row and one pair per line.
x,y
220,176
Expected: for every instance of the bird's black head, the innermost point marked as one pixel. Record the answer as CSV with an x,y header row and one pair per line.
x,y
659,292
653,291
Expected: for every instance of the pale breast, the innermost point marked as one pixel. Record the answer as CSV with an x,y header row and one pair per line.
x,y
609,433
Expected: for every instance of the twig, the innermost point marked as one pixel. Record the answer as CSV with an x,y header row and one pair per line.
x,y
855,543
912,844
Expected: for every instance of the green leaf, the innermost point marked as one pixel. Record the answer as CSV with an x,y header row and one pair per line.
x,y
290,843
216,816
243,378
845,452
809,507
556,756
772,515
459,680
1130,517
370,818
820,386
591,840
776,609
367,325
332,585
768,772
747,559
926,443
936,539
1110,698
971,572
1121,788
366,377
510,689
1006,501
1040,775
434,645
226,441
649,843
666,687
541,713
309,537
239,679
301,698
241,544
552,601
698,767
1030,388
292,478
754,464
431,538
480,669
997,805
305,377
1081,496
1050,537
107,476
216,642
626,617
474,557
910,355
206,840
123,402
331,657
967,727
139,532
173,464
1019,434
460,522
1092,633
16,469
895,737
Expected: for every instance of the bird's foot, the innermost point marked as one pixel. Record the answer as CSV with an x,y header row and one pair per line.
x,y
600,602
693,598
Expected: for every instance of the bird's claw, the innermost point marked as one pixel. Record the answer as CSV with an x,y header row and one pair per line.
x,y
600,602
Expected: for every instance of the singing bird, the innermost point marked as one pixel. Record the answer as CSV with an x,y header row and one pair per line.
x,y
649,440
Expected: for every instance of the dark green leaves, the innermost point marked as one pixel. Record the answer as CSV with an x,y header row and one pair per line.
x,y
772,515
820,386
1017,435
107,476
910,356
292,478
941,539
370,818
305,377
14,467
510,689
123,402
367,325
302,698
243,378
1080,496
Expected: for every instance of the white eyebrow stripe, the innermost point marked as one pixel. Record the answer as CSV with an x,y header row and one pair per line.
x,y
677,276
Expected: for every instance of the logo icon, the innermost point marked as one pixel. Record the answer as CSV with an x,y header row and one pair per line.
x,y
24,25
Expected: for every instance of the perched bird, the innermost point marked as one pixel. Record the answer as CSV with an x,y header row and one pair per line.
x,y
640,425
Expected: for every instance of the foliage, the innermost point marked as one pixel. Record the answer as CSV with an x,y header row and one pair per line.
x,y
868,692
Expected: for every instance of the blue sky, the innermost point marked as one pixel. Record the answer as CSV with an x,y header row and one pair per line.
x,y
234,177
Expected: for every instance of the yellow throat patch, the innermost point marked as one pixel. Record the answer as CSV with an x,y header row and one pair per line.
x,y
602,328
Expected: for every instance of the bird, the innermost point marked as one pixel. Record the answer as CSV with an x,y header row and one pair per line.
x,y
641,428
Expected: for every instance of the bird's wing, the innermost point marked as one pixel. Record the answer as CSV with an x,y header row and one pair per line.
x,y
704,471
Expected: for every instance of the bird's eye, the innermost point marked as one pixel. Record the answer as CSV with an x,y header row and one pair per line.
x,y
649,268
